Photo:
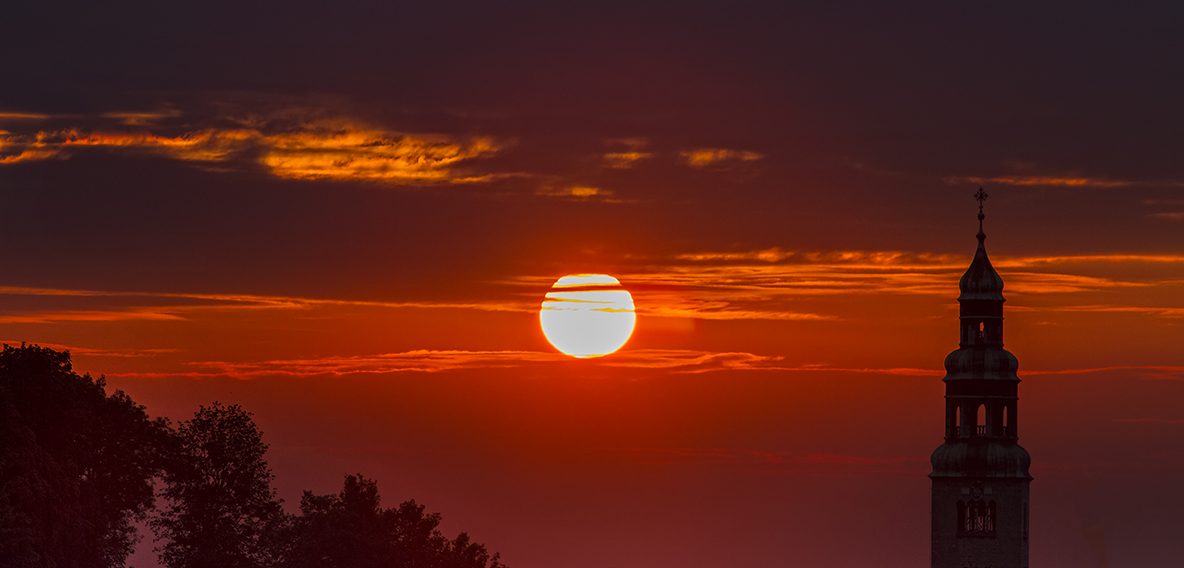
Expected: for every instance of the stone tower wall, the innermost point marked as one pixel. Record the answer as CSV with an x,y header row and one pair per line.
x,y
1007,549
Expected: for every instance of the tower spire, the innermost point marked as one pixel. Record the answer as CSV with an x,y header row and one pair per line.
x,y
980,474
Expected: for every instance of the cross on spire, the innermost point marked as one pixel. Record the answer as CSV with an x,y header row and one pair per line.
x,y
981,196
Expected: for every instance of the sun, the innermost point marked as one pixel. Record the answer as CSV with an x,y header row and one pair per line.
x,y
587,315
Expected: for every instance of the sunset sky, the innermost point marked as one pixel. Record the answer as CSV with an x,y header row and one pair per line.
x,y
346,216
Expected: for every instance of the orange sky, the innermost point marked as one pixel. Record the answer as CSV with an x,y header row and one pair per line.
x,y
347,220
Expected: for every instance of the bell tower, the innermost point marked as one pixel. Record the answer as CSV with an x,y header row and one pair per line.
x,y
980,474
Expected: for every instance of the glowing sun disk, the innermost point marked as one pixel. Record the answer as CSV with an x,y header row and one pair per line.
x,y
587,315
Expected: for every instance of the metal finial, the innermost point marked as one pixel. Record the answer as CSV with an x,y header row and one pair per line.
x,y
981,196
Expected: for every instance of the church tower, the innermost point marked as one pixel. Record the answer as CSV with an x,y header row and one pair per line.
x,y
980,474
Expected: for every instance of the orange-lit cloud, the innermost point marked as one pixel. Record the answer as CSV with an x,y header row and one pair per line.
x,y
760,284
175,306
1088,258
359,154
96,315
679,361
1053,181
576,191
715,157
1150,310
767,284
430,361
625,160
580,193
1148,371
22,116
120,353
331,149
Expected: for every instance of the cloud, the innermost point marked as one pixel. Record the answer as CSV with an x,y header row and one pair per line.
x,y
1050,181
23,116
580,193
91,315
176,306
779,284
716,157
677,361
431,361
1010,262
625,160
1150,310
1170,372
774,254
418,361
1046,283
765,284
333,149
1172,216
92,352
358,154
1070,181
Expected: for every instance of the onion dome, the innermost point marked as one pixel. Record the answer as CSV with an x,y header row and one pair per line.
x,y
981,282
990,459
991,364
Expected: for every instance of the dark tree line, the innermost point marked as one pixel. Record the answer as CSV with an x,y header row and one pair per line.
x,y
79,467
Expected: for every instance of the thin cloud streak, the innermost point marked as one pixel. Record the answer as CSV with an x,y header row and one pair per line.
x,y
93,352
1070,181
91,316
678,361
1156,311
753,285
218,302
1170,372
625,160
717,157
579,193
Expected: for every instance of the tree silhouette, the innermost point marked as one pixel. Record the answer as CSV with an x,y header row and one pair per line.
x,y
222,508
352,530
77,469
76,465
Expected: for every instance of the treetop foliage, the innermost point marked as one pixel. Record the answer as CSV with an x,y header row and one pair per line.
x,y
77,470
352,530
76,464
218,485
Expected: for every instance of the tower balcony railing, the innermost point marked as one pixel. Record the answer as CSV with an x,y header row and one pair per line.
x,y
979,431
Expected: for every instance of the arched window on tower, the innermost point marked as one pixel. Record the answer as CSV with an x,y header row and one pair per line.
x,y
957,424
981,421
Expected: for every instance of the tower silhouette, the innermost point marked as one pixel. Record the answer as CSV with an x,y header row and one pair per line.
x,y
980,474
